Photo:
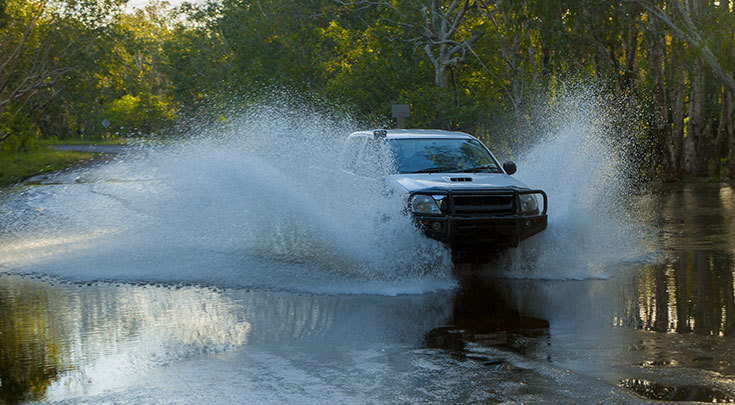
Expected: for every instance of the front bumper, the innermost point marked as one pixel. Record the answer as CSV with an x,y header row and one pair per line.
x,y
486,231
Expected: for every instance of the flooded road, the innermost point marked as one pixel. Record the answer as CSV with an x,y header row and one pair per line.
x,y
246,268
656,327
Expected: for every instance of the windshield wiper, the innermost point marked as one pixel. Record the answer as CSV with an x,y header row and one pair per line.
x,y
492,168
436,170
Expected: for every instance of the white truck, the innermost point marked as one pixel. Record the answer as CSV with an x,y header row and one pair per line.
x,y
455,189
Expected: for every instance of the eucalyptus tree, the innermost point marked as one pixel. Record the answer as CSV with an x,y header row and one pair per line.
x,y
516,39
444,31
23,73
655,38
39,53
707,30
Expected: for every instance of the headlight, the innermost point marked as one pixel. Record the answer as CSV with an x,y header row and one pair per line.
x,y
529,204
424,204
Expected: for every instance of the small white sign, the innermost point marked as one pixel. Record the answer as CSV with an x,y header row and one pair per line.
x,y
400,110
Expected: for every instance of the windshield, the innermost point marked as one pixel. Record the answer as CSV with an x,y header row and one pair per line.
x,y
432,155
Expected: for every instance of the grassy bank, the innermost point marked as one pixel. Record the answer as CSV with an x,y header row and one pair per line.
x,y
75,141
18,166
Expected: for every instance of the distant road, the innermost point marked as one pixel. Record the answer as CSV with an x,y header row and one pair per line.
x,y
93,148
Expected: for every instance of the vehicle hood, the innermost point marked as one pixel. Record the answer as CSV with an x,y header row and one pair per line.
x,y
420,181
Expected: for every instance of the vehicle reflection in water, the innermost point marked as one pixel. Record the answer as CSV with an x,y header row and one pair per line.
x,y
661,329
480,314
688,289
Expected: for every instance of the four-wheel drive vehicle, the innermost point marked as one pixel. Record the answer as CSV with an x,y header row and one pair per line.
x,y
455,188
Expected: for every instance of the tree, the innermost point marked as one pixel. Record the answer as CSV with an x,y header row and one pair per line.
x,y
518,70
661,128
682,25
23,73
43,47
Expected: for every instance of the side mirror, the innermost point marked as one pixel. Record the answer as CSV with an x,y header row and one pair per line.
x,y
509,167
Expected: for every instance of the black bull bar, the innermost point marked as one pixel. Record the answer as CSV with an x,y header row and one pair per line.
x,y
495,227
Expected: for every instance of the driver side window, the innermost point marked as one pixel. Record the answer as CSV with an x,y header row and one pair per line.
x,y
353,154
367,157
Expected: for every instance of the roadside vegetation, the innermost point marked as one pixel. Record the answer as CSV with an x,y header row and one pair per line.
x,y
77,141
20,165
88,70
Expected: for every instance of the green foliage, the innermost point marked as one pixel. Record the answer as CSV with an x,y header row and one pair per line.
x,y
142,114
146,70
26,135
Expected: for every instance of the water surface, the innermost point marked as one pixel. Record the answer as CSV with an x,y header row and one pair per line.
x,y
657,327
244,266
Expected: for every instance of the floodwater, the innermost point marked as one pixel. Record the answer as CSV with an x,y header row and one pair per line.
x,y
660,326
246,267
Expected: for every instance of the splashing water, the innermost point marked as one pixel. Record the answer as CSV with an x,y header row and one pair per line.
x,y
261,202
584,163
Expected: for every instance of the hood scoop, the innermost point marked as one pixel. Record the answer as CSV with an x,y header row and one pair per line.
x,y
459,179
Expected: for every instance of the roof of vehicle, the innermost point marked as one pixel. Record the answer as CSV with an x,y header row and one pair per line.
x,y
416,133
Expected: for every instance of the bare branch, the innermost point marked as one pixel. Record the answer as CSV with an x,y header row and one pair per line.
x,y
458,18
14,58
690,35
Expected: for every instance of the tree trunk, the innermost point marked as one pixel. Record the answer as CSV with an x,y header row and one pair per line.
x,y
729,296
663,135
721,134
677,115
661,299
703,321
546,62
535,75
694,156
682,295
698,100
630,46
442,76
441,26
598,63
731,135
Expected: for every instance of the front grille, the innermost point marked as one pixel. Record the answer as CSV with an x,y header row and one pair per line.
x,y
478,203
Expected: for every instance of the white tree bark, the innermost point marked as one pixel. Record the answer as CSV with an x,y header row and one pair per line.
x,y
438,35
687,32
